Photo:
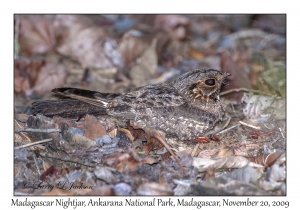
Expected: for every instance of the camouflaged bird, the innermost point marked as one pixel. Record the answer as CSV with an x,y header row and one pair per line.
x,y
184,109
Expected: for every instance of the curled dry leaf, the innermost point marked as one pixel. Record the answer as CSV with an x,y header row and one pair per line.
x,y
36,34
256,133
255,106
225,152
84,41
266,159
229,162
154,189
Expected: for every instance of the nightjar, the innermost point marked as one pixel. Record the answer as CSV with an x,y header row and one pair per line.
x,y
184,109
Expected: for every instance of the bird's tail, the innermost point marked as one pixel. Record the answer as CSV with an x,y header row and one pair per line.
x,y
65,108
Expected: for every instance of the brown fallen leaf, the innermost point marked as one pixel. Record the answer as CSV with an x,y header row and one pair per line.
x,y
146,69
132,47
26,72
265,159
83,40
132,44
36,34
37,76
60,121
51,76
238,79
92,127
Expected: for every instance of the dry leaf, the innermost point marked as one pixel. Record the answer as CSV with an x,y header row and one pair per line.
x,y
225,152
37,76
238,79
173,24
228,162
255,104
26,73
92,127
36,34
146,68
265,159
51,76
86,42
60,121
132,47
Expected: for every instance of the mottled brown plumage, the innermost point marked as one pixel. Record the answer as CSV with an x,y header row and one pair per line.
x,y
183,109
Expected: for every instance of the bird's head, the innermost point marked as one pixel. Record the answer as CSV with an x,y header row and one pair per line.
x,y
203,85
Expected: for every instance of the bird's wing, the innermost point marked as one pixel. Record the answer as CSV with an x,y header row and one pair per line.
x,y
153,96
88,96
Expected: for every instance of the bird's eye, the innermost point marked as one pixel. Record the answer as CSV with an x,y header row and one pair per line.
x,y
210,82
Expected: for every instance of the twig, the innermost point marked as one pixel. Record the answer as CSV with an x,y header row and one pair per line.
x,y
195,150
33,143
67,160
37,130
170,151
216,131
36,164
251,126
281,133
226,124
244,90
223,131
